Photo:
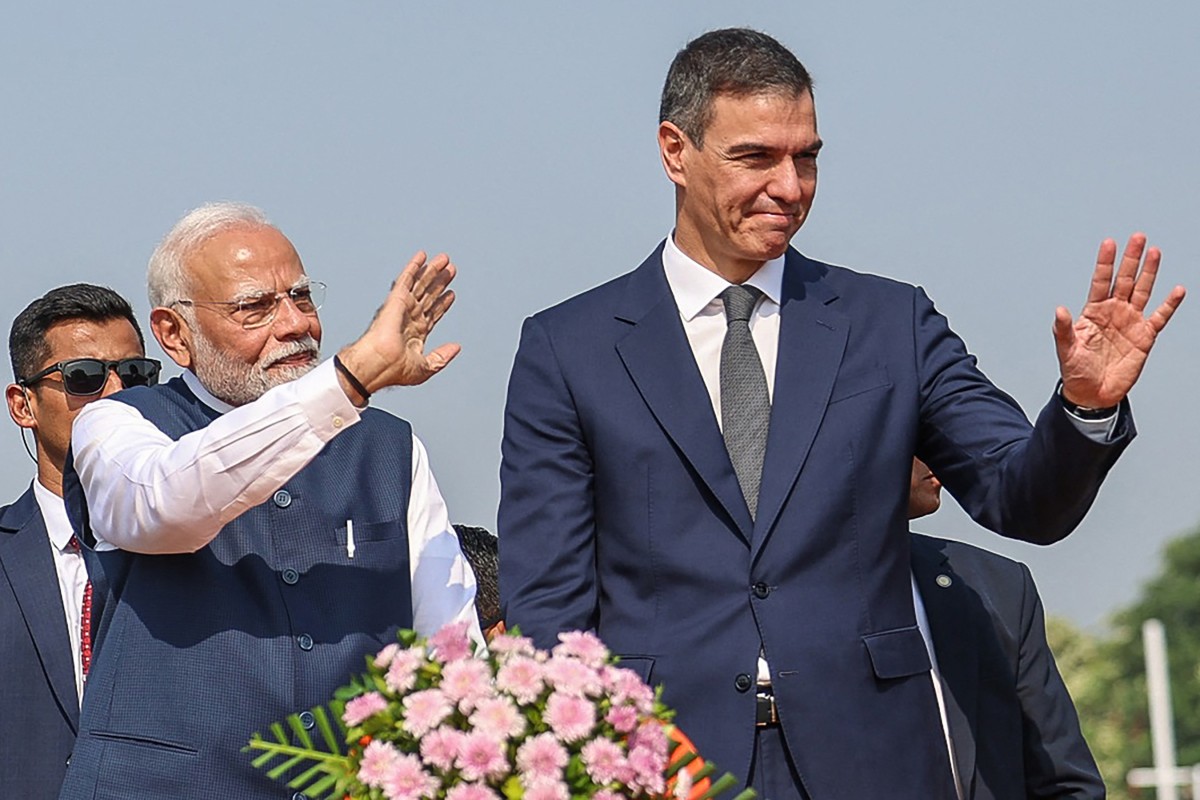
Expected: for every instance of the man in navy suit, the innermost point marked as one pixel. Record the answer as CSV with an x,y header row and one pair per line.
x,y
707,460
1013,727
43,580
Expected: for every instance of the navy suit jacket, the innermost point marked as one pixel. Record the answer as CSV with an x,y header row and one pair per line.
x,y
39,710
620,511
1015,730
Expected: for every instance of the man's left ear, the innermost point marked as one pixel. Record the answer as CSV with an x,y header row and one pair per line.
x,y
19,407
672,146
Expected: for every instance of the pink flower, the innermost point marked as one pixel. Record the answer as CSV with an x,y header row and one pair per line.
x,y
648,756
424,711
582,645
647,770
439,747
622,718
385,656
541,756
402,672
471,791
377,761
605,794
451,642
466,682
363,707
571,718
481,757
626,686
603,759
521,677
504,646
547,790
569,676
407,780
499,717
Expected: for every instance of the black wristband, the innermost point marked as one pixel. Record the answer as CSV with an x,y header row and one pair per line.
x,y
1085,414
355,382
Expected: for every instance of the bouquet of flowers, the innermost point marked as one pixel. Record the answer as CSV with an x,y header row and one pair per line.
x,y
430,719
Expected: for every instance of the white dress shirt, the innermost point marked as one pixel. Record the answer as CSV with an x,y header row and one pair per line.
x,y
923,624
71,571
179,494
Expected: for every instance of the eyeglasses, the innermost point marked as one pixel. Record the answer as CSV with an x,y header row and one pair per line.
x,y
84,377
257,310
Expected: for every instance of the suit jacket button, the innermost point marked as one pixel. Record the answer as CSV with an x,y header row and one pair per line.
x,y
68,759
743,682
299,796
305,641
290,577
283,498
307,720
761,590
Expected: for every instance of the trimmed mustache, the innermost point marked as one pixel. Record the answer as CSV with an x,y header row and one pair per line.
x,y
303,346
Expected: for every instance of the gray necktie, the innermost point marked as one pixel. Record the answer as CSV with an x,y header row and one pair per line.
x,y
745,403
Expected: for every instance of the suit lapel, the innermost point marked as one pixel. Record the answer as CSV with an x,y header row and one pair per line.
x,y
660,362
955,641
26,559
812,339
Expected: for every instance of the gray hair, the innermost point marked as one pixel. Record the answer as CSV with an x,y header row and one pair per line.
x,y
166,277
731,61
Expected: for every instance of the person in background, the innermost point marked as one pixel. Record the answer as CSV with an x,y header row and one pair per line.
x,y
1013,729
73,345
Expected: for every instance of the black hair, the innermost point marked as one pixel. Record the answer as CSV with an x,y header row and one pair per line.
x,y
730,61
27,347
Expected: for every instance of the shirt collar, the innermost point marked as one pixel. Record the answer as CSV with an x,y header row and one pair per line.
x,y
203,395
54,514
695,286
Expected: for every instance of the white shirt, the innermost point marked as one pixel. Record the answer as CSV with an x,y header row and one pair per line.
x,y
72,572
180,494
923,624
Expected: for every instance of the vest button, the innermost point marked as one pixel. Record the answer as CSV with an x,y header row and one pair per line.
x,y
761,590
290,577
305,641
307,720
743,682
299,796
283,498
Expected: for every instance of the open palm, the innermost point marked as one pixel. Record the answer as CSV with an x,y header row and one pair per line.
x,y
1102,352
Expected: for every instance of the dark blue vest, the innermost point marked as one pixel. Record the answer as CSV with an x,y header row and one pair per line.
x,y
195,652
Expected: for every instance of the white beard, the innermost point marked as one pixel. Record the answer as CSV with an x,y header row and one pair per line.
x,y
238,383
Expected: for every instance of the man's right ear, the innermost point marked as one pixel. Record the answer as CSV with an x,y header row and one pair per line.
x,y
19,409
672,144
173,335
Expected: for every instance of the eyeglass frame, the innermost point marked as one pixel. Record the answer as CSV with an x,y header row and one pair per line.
x,y
109,366
277,297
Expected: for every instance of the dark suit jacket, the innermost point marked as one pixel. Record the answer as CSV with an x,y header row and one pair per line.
x,y
1015,731
620,511
39,710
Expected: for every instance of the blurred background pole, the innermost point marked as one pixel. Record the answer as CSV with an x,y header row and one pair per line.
x,y
1162,729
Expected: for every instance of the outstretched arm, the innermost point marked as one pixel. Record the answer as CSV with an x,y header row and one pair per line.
x,y
1102,352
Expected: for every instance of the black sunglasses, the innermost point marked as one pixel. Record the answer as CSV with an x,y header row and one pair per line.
x,y
84,377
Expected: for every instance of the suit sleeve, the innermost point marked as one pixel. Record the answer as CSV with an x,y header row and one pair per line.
x,y
547,519
1032,483
1058,763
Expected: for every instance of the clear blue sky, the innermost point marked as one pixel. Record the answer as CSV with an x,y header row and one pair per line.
x,y
982,152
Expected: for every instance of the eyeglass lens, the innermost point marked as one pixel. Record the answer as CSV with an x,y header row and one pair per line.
x,y
86,376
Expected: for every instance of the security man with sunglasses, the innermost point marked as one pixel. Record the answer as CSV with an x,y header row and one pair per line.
x,y
258,529
68,348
